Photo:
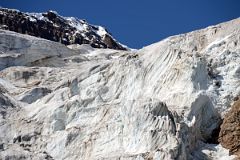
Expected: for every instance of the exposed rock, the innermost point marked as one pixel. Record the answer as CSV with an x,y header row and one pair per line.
x,y
230,130
51,26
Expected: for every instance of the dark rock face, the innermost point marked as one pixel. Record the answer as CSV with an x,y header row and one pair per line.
x,y
229,136
53,27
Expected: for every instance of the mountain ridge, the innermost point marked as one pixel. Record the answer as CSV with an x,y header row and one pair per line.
x,y
52,26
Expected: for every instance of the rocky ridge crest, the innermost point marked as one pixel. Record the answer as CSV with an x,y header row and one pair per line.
x,y
51,26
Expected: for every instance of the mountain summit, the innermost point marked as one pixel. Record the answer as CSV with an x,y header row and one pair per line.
x,y
51,26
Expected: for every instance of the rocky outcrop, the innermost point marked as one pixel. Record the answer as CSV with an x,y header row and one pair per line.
x,y
230,130
51,26
163,102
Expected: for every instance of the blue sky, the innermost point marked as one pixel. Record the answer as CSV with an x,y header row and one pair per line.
x,y
138,23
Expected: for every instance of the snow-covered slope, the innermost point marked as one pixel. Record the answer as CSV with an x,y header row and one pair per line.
x,y
52,26
165,101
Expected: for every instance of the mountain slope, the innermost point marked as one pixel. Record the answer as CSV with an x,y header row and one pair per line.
x,y
51,26
165,101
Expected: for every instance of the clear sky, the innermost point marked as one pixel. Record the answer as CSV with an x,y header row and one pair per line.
x,y
138,23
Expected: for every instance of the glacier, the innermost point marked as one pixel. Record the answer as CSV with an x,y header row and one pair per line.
x,y
161,102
